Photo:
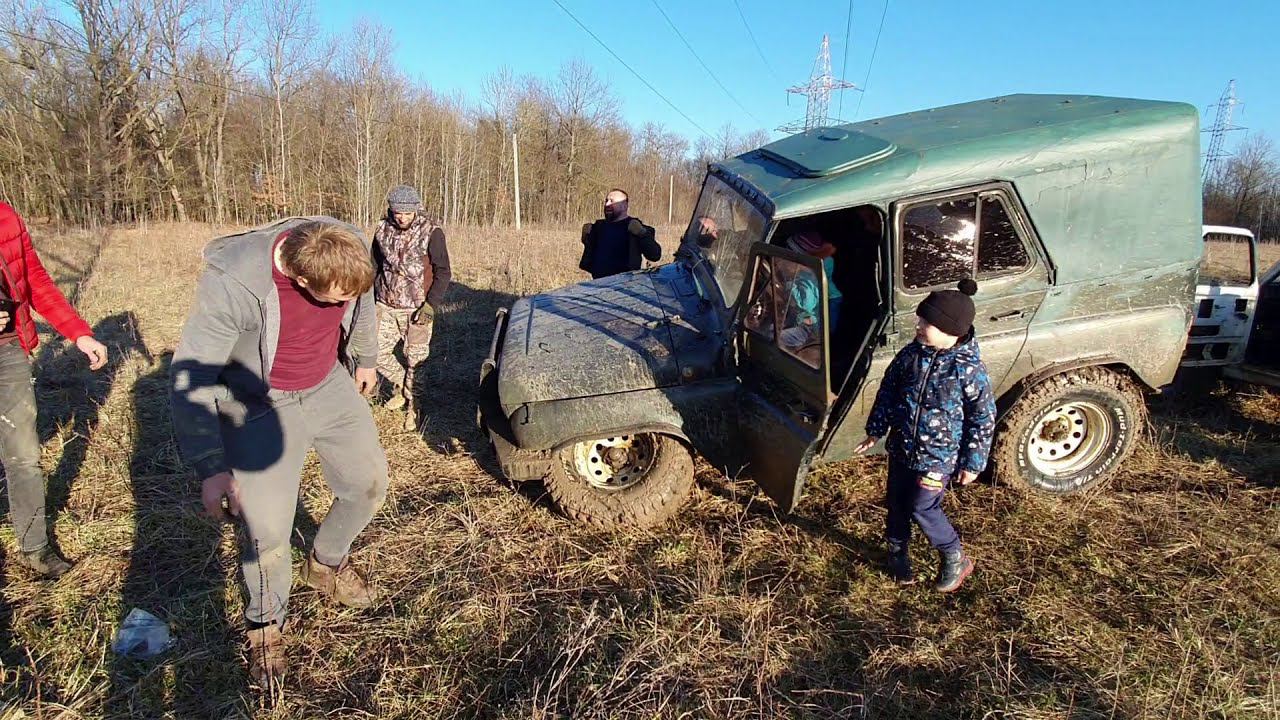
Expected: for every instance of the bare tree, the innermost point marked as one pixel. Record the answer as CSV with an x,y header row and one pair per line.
x,y
117,110
288,47
582,100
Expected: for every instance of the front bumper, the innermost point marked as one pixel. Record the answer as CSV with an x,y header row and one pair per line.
x,y
517,464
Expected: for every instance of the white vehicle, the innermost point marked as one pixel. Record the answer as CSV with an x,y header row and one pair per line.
x,y
1237,310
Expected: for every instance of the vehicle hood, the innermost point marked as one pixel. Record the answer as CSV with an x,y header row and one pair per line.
x,y
617,334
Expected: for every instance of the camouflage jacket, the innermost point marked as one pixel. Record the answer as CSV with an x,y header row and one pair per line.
x,y
412,264
939,407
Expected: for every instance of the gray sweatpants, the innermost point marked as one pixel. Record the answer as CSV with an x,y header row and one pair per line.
x,y
266,452
20,448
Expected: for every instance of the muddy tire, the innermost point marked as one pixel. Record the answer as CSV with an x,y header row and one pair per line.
x,y
1070,432
639,480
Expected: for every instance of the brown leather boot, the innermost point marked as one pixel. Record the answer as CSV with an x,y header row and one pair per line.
x,y
396,401
46,561
266,655
342,583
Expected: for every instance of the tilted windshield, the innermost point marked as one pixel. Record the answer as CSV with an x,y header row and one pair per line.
x,y
724,226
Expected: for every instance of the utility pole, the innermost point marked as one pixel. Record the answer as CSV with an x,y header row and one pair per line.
x,y
515,156
671,195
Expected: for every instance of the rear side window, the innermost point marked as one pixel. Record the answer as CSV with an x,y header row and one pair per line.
x,y
1000,250
938,242
971,235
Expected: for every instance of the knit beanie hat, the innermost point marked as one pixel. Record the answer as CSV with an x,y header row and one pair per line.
x,y
403,198
951,311
808,242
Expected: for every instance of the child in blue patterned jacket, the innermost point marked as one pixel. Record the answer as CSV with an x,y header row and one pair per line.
x,y
937,407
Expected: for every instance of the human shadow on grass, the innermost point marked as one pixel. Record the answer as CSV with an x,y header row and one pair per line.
x,y
447,382
70,397
811,519
177,571
1194,420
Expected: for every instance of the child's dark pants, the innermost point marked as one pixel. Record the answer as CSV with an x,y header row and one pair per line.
x,y
908,501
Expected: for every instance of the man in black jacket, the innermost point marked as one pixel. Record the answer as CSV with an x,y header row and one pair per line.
x,y
617,243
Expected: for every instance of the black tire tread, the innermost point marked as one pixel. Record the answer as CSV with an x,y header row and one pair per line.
x,y
1004,451
651,502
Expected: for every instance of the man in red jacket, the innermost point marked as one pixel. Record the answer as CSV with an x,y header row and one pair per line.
x,y
26,286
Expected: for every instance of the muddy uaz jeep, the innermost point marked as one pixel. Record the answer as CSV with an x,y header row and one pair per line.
x,y
1078,216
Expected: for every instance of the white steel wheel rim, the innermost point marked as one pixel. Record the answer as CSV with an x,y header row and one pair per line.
x,y
1069,438
614,463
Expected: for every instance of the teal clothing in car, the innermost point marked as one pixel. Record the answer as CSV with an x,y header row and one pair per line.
x,y
805,294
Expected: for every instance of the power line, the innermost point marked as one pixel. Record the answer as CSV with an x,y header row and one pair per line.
x,y
631,69
754,42
844,67
872,62
702,63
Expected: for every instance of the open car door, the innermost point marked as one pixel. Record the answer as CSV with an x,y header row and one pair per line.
x,y
1226,298
1261,363
784,361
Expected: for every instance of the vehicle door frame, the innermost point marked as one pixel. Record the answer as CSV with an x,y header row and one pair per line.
x,y
1210,310
767,427
1039,266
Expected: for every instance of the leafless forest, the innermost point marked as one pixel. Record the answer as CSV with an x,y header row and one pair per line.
x,y
240,110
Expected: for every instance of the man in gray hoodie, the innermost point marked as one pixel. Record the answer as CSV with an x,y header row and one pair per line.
x,y
260,376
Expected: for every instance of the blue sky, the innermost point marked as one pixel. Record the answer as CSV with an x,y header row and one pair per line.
x,y
930,52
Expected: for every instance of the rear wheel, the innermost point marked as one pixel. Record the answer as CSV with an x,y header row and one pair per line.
x,y
637,480
1070,432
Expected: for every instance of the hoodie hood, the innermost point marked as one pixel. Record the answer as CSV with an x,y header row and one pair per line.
x,y
246,257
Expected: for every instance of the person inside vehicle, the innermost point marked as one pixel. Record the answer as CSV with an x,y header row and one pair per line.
x,y
803,321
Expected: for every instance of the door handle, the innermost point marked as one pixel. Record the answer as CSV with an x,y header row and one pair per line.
x,y
797,408
1011,315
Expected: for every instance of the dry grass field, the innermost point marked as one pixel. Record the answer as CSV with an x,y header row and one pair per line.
x,y
1156,597
1228,260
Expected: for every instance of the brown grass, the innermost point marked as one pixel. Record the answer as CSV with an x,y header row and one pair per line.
x,y
1228,260
1156,597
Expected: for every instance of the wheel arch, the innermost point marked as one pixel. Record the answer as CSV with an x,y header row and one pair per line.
x,y
1009,398
655,428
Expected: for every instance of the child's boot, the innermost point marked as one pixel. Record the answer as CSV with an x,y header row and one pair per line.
x,y
900,564
955,567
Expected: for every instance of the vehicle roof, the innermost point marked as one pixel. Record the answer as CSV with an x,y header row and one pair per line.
x,y
1111,184
1228,230
933,148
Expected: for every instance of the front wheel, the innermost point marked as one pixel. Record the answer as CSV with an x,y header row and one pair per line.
x,y
1070,432
636,480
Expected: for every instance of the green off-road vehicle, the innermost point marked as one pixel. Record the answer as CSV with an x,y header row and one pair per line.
x,y
1078,216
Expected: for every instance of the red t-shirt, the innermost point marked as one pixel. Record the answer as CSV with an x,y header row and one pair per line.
x,y
309,334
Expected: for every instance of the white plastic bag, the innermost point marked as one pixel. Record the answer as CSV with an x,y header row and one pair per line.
x,y
142,635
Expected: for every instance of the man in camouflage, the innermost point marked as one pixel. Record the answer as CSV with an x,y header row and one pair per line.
x,y
412,276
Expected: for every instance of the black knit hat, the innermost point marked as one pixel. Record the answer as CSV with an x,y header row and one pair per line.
x,y
951,311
